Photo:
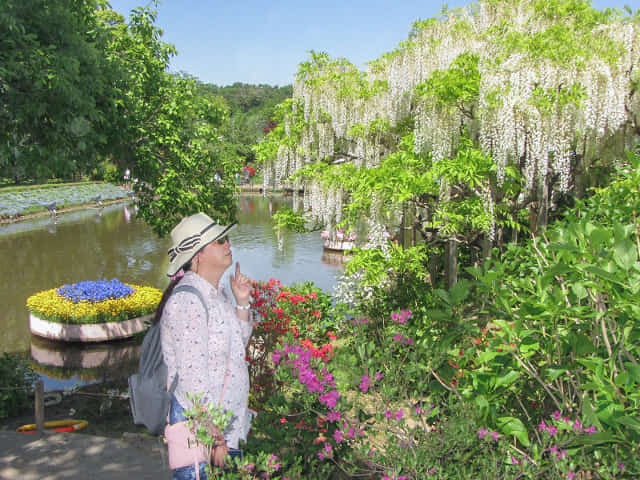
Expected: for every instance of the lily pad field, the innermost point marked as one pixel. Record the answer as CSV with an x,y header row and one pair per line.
x,y
16,203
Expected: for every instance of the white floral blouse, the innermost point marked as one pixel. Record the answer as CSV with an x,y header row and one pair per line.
x,y
198,348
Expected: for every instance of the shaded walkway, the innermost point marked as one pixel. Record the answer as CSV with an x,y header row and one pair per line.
x,y
54,456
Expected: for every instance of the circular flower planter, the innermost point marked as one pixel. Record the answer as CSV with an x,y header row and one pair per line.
x,y
92,311
90,332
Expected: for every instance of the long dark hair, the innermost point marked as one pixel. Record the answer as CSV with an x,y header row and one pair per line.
x,y
168,291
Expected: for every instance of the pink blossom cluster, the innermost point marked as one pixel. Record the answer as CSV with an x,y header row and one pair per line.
x,y
298,359
401,317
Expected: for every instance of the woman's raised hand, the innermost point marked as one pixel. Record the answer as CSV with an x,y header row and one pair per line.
x,y
240,286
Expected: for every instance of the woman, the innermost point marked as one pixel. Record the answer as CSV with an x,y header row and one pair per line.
x,y
204,344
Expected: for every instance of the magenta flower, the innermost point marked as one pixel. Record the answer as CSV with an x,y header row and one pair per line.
x,y
337,436
273,463
571,475
542,427
577,426
379,376
364,383
482,432
590,430
557,414
552,430
333,416
620,466
388,414
399,414
330,399
495,436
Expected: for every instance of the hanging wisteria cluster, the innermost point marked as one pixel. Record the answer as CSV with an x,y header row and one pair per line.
x,y
555,88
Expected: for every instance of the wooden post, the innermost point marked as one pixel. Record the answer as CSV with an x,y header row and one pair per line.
x,y
39,400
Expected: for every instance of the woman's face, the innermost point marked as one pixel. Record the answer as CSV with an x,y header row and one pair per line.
x,y
217,256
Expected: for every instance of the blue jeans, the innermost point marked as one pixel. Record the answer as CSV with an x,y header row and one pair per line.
x,y
176,414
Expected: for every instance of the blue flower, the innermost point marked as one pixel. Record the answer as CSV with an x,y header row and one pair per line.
x,y
95,291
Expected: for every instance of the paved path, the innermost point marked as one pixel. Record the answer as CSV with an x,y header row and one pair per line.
x,y
55,456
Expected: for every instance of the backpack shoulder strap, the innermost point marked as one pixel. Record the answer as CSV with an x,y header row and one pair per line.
x,y
195,291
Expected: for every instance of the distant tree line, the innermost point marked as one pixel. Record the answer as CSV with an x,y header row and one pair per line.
x,y
251,109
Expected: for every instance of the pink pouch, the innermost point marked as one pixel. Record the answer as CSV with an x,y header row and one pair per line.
x,y
183,448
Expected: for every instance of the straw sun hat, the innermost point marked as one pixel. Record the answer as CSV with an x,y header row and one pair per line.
x,y
190,236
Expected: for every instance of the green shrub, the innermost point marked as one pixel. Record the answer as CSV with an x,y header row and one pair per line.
x,y
16,380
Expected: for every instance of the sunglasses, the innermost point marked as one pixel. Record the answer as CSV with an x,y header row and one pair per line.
x,y
222,240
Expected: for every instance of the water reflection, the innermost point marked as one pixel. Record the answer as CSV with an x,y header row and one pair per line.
x,y
111,242
87,362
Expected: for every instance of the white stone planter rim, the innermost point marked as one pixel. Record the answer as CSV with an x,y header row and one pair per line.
x,y
88,332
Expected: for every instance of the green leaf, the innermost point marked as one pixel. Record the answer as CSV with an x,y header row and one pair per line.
x,y
599,236
579,290
514,426
507,379
625,254
485,357
597,438
633,370
629,421
554,373
482,403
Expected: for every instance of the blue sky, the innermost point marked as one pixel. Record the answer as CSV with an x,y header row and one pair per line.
x,y
263,42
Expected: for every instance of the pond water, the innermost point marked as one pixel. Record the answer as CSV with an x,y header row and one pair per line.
x,y
111,242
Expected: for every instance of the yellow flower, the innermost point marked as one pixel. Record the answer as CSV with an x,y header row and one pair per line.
x,y
50,305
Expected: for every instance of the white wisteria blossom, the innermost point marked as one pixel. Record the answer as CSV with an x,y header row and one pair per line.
x,y
548,106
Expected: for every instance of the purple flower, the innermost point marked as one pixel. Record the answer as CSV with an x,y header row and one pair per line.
x,y
337,436
557,414
379,376
495,436
577,426
515,461
273,462
482,432
351,433
330,399
275,356
399,414
364,384
333,416
620,466
542,427
590,430
571,475
325,452
552,430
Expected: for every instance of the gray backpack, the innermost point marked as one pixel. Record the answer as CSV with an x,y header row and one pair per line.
x,y
150,400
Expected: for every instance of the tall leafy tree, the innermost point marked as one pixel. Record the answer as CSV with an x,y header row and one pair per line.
x,y
53,88
167,132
